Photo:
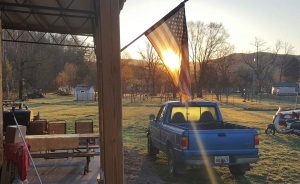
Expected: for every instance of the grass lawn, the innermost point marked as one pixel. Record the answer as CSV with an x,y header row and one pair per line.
x,y
279,155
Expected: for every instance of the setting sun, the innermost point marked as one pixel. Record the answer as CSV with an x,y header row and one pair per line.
x,y
171,60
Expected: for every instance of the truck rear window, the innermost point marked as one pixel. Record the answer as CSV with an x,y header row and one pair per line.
x,y
193,114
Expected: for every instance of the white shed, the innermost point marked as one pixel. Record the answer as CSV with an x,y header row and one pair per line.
x,y
84,93
284,88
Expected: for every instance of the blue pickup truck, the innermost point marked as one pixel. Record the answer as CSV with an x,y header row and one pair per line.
x,y
194,134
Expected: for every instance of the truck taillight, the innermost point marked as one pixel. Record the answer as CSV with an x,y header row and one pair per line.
x,y
184,142
256,141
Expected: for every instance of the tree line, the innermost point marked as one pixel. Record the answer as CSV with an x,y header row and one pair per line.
x,y
214,66
28,67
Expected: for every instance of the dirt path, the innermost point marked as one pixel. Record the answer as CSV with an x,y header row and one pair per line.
x,y
139,169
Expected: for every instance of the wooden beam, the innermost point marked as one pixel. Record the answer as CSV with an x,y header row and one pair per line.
x,y
56,141
1,95
57,155
107,37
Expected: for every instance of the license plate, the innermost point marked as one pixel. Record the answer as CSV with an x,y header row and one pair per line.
x,y
221,159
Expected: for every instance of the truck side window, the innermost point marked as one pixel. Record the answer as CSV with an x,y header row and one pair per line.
x,y
161,113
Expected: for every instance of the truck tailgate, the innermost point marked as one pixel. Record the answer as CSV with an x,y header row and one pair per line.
x,y
220,142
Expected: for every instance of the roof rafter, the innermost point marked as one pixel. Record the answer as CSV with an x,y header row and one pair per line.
x,y
37,7
85,41
70,18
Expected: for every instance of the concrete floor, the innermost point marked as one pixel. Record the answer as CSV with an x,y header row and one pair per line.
x,y
64,171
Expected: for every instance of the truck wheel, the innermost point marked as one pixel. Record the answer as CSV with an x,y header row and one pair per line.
x,y
237,170
152,151
171,163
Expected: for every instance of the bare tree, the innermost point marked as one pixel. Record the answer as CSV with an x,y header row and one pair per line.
x,y
196,37
67,77
262,63
291,70
224,68
125,55
152,61
205,42
287,50
129,80
31,62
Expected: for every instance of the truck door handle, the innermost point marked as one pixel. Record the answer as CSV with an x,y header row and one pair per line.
x,y
221,134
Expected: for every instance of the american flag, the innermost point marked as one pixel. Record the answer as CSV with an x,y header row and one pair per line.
x,y
169,38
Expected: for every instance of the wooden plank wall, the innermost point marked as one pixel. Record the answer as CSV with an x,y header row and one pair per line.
x,y
107,38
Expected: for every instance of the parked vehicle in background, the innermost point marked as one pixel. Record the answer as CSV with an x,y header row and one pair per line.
x,y
193,133
285,122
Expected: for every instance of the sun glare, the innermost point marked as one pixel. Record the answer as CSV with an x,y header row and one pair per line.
x,y
205,158
171,60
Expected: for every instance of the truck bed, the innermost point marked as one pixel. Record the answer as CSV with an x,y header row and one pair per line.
x,y
209,126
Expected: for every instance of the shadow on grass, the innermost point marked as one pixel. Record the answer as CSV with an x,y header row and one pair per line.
x,y
135,138
190,176
291,141
251,178
66,102
196,176
200,175
141,104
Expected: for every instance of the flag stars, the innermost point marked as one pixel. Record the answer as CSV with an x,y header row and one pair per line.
x,y
177,25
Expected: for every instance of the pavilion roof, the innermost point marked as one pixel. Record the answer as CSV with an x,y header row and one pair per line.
x,y
55,16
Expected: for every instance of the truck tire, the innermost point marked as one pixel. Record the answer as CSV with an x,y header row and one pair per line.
x,y
171,163
237,170
151,149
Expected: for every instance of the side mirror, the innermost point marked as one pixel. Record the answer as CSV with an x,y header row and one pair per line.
x,y
152,117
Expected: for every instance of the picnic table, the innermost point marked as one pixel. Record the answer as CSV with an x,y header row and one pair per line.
x,y
54,146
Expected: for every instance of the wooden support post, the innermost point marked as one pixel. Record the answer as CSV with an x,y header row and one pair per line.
x,y
1,95
107,39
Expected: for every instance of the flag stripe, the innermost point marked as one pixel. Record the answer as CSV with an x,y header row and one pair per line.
x,y
161,36
169,38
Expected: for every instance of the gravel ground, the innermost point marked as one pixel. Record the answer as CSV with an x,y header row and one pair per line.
x,y
139,169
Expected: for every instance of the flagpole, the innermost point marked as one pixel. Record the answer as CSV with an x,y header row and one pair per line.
x,y
125,47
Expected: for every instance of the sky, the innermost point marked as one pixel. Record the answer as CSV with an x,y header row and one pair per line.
x,y
270,20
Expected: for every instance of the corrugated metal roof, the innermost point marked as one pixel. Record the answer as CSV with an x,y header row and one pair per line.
x,y
56,16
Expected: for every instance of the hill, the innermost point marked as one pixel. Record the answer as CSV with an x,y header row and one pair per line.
x,y
281,61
